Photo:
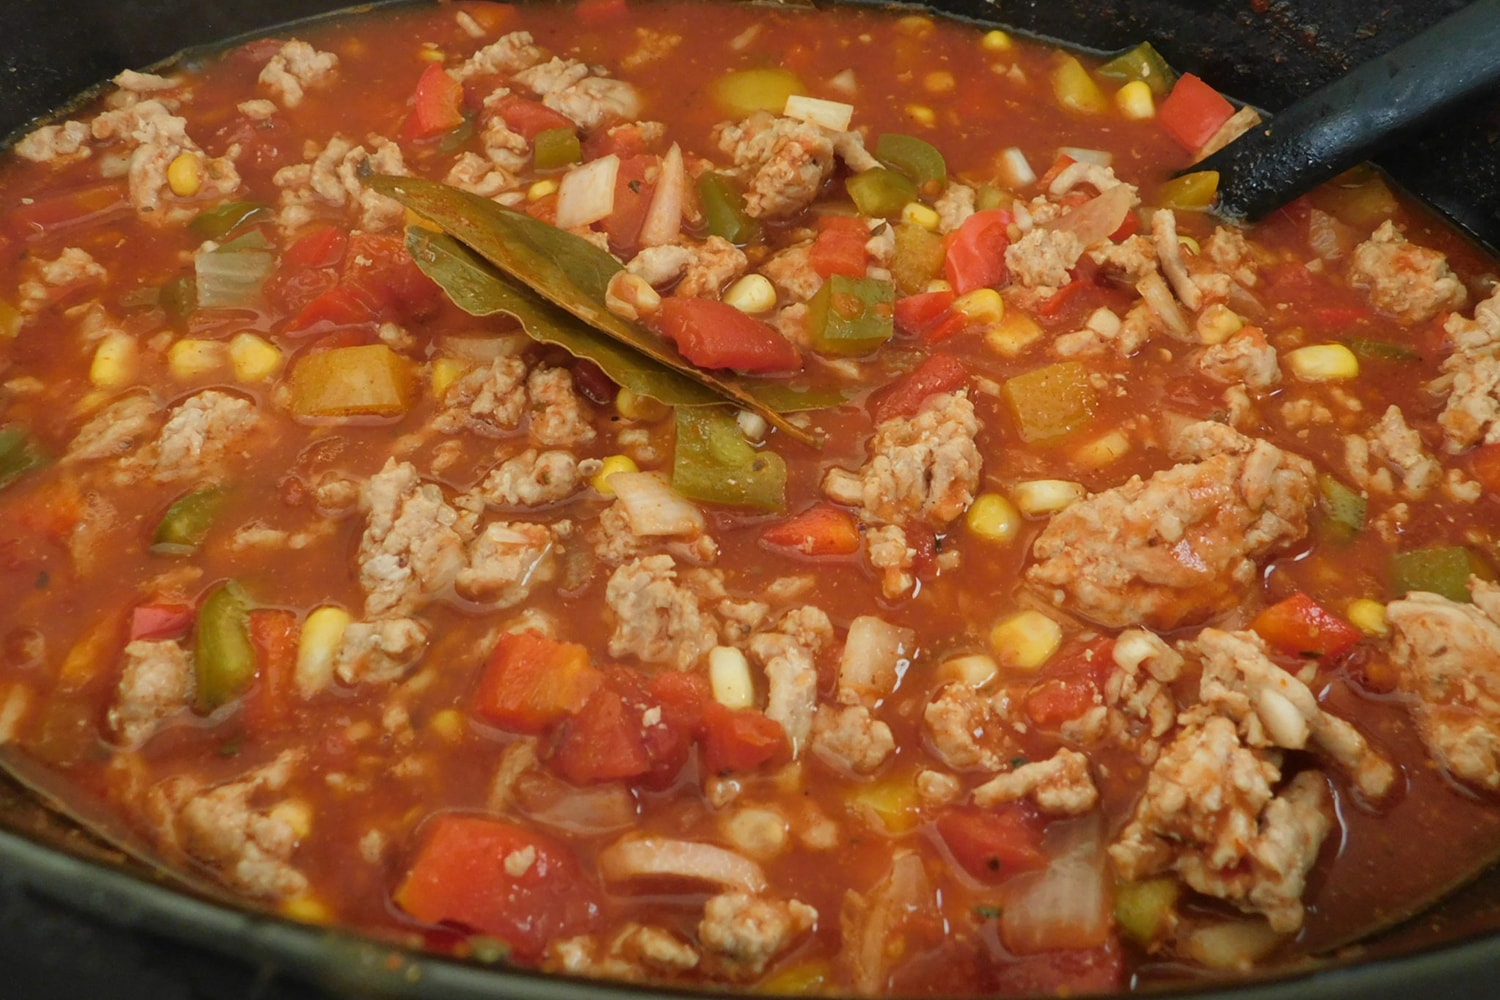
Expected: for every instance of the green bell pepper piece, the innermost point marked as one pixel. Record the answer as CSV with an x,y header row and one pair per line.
x,y
179,298
1141,63
724,209
224,657
881,192
1441,569
851,316
714,463
1343,507
19,454
916,158
187,522
1380,350
556,147
221,220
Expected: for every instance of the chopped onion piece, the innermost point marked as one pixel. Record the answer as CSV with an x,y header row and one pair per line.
x,y
664,218
875,924
1083,155
587,193
231,276
845,82
658,857
1015,169
1231,945
875,653
834,115
1065,905
1159,300
1098,218
653,508
590,811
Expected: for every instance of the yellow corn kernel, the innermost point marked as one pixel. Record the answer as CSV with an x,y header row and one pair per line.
x,y
982,306
611,465
307,910
191,358
1135,101
446,371
1036,497
995,41
919,214
318,646
431,53
937,285
1323,363
448,725
296,814
993,518
1026,640
633,406
10,319
921,114
1193,192
1189,244
1013,334
729,677
809,977
1103,450
1217,323
185,175
974,670
752,294
541,189
117,361
1368,616
253,358
1076,90
939,81
894,804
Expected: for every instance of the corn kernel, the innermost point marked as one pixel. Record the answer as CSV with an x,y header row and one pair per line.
x,y
729,677
611,465
974,670
431,53
752,294
1368,616
806,978
446,371
981,306
1189,244
1217,323
296,814
191,358
893,804
1323,363
939,81
253,358
1036,497
1012,335
307,910
921,114
317,647
1026,640
185,175
633,406
541,189
995,41
919,214
448,725
117,361
1135,101
1103,450
993,518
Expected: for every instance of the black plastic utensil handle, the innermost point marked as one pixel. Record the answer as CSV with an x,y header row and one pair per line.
x,y
1342,124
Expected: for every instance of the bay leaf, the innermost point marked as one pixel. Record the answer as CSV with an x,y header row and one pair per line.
x,y
567,271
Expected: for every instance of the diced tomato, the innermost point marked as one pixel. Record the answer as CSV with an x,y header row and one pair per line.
x,y
668,709
50,214
1128,228
632,200
1063,162
530,118
1484,465
1193,112
1300,626
938,373
293,291
379,282
1080,972
321,246
274,632
976,252
624,141
603,742
993,844
160,621
594,14
466,873
1056,302
739,739
532,681
711,334
1071,683
928,315
339,305
821,530
436,107
839,247
683,697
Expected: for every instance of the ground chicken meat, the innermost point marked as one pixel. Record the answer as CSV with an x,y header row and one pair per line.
x,y
850,739
792,273
1391,455
506,56
333,179
965,730
413,544
157,682
381,651
536,478
69,272
1044,258
116,429
199,436
924,467
1060,785
1409,282
784,162
703,267
788,656
560,417
295,67
657,619
1246,357
1178,547
488,400
742,934
893,559
505,562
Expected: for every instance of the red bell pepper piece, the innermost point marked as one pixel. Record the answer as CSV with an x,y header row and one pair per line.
x,y
321,246
938,373
1300,626
711,334
1071,684
532,681
928,315
976,252
530,118
1193,112
821,530
437,106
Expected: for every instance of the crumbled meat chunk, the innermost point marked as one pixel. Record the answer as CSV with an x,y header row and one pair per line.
x,y
333,178
1130,260
1173,549
68,272
784,162
477,175
741,934
921,468
295,67
1139,686
792,273
55,142
1392,447
116,429
1210,814
381,651
155,137
505,562
506,56
1169,256
892,558
965,730
1096,175
413,544
489,399
705,267
560,417
1448,655
1246,357
1106,333
536,478
220,828
1409,282
566,86
1470,383
787,654
199,436
954,206
851,739
1060,785
1044,258
657,619
157,682
506,148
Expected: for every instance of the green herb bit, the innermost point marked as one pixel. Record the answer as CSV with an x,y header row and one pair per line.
x,y
713,463
19,454
224,657
187,522
851,316
881,192
1380,350
179,298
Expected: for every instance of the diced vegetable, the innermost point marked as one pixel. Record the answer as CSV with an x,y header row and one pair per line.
x,y
1366,349
881,192
821,530
834,115
586,194
929,316
729,677
1037,497
1026,640
528,117
653,510
714,463
231,276
920,215
1230,944
160,621
1300,626
839,247
723,204
634,191
437,105
992,845
19,454
602,741
223,657
1051,402
1193,112
994,518
187,522
1441,569
1194,192
1360,198
607,468
222,220
253,358
937,373
973,670
185,174
556,147
1323,363
752,294
917,259
1013,334
1144,910
976,252
1075,89
369,380
851,316
192,357
916,158
663,220
318,647
270,701
1142,63
531,682
116,361
633,858
1368,616
1344,508
711,334
1066,904
739,739
744,92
